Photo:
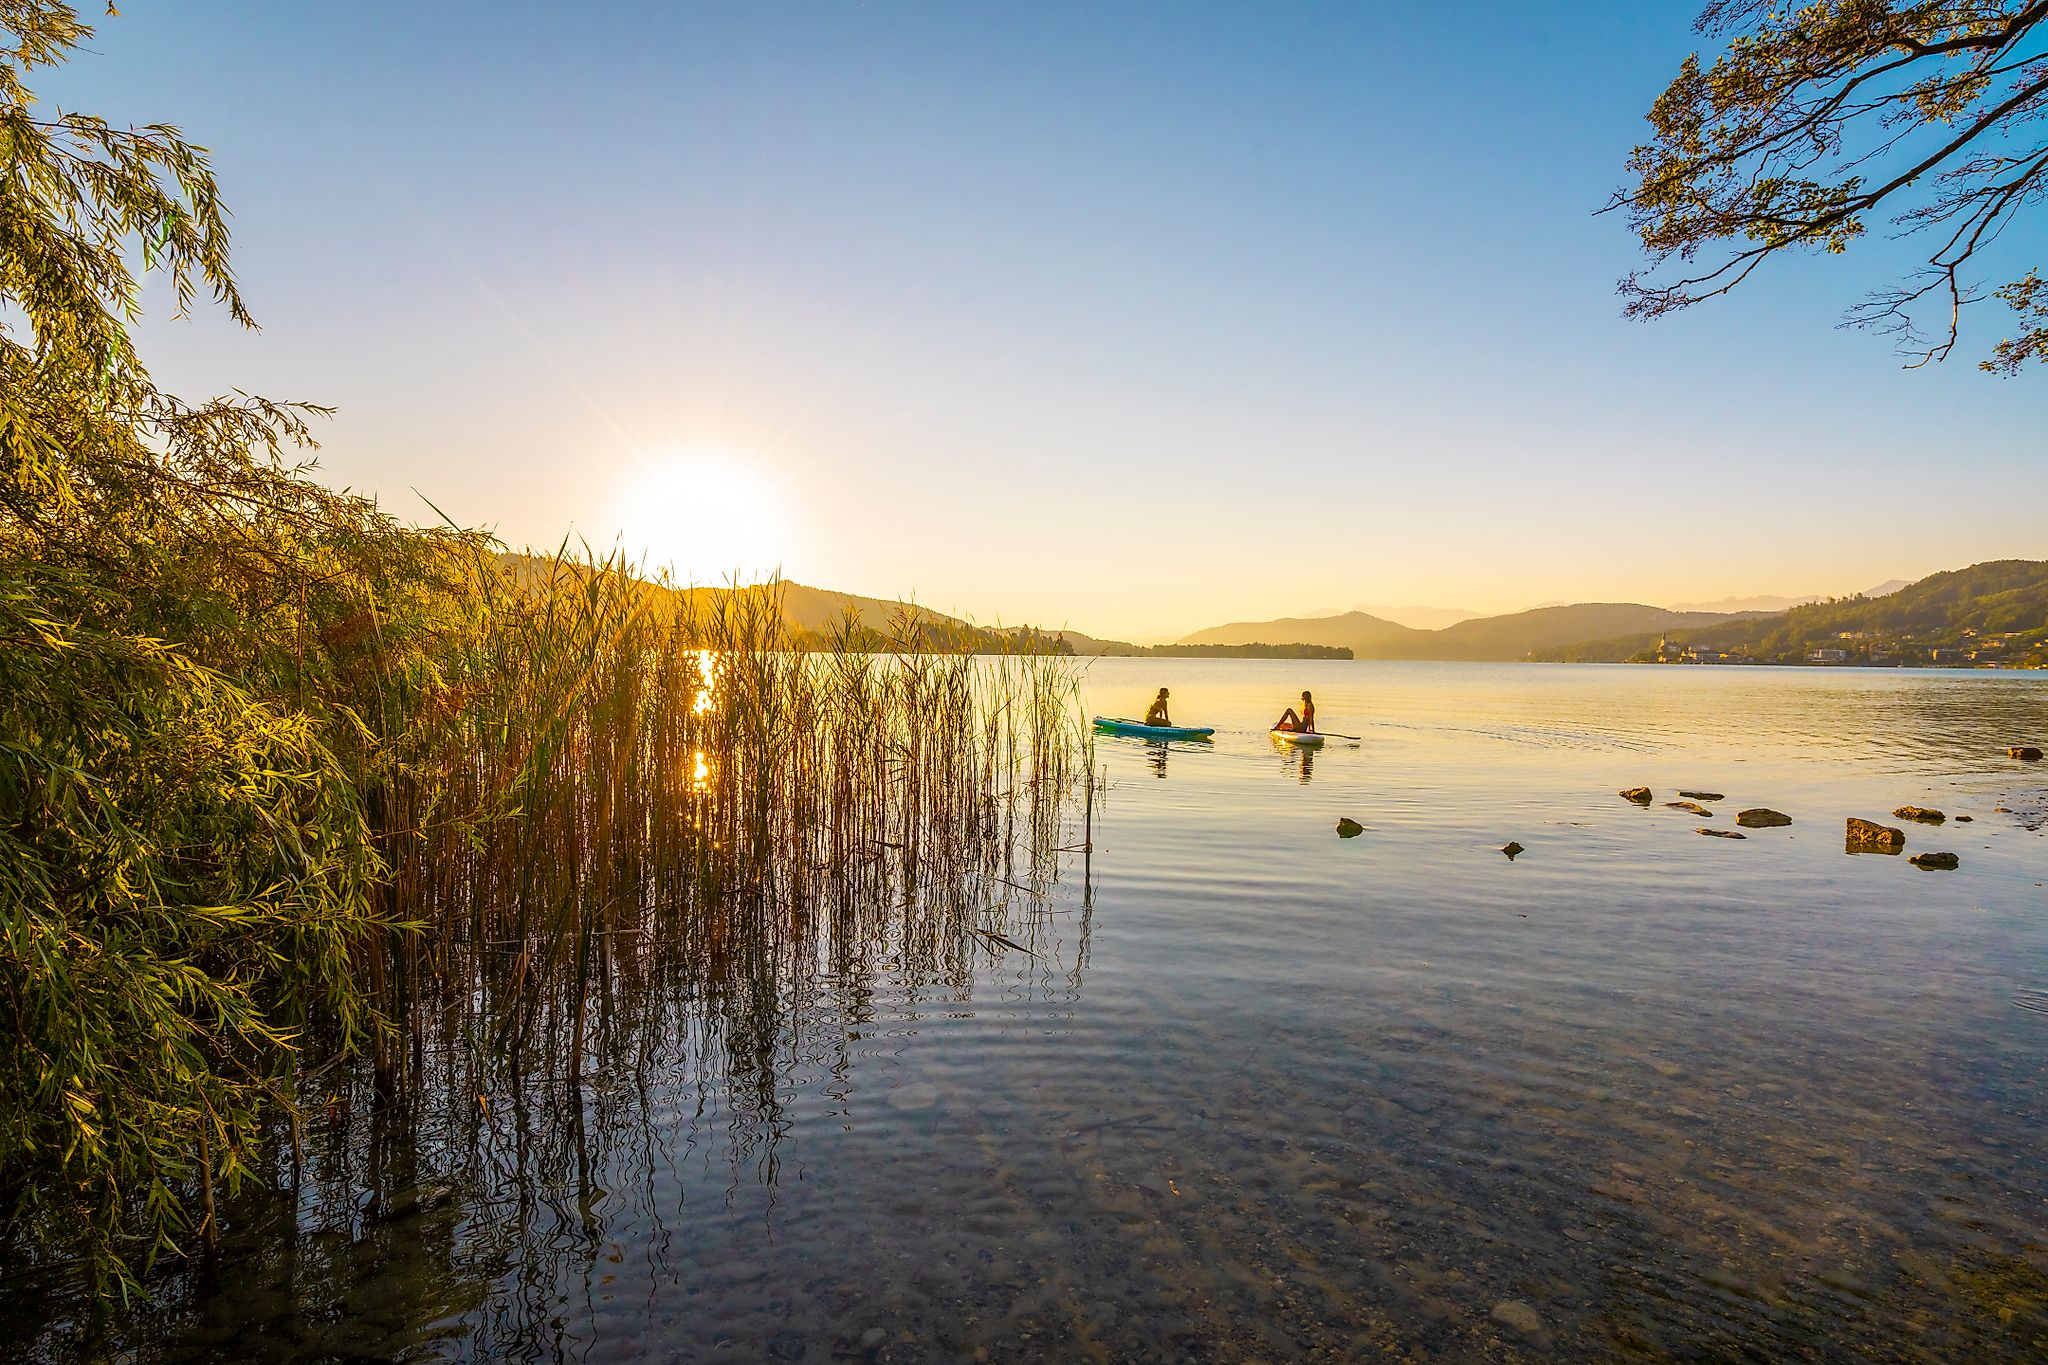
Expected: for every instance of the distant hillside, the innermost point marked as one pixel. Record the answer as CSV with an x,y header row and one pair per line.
x,y
1367,637
1089,646
1420,618
1988,613
1488,637
1513,637
1289,651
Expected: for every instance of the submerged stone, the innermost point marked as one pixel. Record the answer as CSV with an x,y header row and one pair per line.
x,y
1762,817
1511,848
1926,815
918,1095
1519,1317
1695,807
1642,796
1720,833
420,1198
1936,862
2026,751
1704,796
1348,828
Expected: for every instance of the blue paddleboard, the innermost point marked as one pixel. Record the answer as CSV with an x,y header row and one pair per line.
x,y
1115,726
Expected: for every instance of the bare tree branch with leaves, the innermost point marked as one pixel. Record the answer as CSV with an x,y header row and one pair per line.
x,y
1929,114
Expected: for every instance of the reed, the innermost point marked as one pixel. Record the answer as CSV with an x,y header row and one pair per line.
x,y
628,760
568,784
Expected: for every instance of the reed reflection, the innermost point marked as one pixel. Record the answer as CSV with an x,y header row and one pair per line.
x,y
464,1211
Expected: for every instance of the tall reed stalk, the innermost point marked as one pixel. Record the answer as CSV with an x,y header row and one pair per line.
x,y
631,764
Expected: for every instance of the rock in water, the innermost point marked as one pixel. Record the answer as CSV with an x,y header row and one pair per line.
x,y
1762,817
1964,819
2026,751
1511,848
1936,862
1720,833
1519,1317
1703,796
1348,828
1867,836
1924,814
1695,807
1640,795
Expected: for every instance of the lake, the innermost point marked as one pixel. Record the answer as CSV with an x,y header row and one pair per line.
x,y
1235,1088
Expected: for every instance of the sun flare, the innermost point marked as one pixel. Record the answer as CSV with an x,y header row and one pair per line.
x,y
704,518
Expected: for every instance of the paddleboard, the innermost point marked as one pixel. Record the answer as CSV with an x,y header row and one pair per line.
x,y
1117,726
1305,739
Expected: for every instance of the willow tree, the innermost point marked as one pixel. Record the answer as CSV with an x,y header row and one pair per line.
x,y
1930,116
185,863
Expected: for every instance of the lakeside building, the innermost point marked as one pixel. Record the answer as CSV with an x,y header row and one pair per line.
x,y
1869,649
1671,651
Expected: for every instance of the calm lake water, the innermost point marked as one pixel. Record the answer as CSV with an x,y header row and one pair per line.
x,y
1250,1091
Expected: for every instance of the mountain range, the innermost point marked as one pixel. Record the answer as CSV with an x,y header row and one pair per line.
x,y
1440,618
1767,603
1515,635
1486,637
1416,618
1999,596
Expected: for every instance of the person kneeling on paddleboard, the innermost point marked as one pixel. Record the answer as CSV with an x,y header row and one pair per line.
x,y
1157,715
1305,722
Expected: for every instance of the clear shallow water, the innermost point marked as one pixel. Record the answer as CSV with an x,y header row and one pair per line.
x,y
1256,1092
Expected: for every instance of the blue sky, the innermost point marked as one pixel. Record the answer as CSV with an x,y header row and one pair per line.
x,y
1134,318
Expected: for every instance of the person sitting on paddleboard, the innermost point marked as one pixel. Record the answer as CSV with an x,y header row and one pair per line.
x,y
1305,722
1157,715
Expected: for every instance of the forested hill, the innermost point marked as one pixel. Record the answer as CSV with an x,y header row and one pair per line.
x,y
1512,637
1368,637
1997,612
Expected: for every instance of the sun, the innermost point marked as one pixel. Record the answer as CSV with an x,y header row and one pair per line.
x,y
704,518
